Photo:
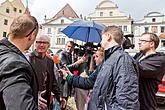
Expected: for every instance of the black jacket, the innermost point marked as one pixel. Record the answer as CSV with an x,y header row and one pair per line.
x,y
116,86
18,83
151,71
66,59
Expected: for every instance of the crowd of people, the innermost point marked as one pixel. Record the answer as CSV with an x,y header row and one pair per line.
x,y
108,79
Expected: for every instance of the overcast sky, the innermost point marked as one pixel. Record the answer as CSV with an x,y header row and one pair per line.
x,y
136,8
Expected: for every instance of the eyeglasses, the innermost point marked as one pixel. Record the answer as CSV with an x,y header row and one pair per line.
x,y
140,40
42,42
31,31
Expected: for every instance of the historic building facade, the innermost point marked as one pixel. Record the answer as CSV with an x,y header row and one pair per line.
x,y
52,26
108,14
9,10
152,22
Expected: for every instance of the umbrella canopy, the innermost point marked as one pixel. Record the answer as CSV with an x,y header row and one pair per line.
x,y
87,31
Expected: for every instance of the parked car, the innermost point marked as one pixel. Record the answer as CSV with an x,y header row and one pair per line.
x,y
160,95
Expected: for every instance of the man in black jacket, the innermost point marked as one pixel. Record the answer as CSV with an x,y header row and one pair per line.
x,y
18,83
151,69
66,58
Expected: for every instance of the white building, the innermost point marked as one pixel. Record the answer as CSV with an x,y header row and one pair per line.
x,y
52,26
8,11
152,22
108,14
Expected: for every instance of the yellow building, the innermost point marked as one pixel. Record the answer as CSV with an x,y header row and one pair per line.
x,y
8,11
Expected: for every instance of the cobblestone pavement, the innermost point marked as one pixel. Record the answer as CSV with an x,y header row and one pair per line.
x,y
71,104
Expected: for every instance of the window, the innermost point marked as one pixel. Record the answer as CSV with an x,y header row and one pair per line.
x,y
15,9
60,41
101,13
5,21
162,29
154,29
7,10
110,13
49,30
146,29
62,21
4,34
125,28
153,20
120,27
59,30
20,11
163,43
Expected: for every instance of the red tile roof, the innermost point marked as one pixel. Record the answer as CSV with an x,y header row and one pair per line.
x,y
67,12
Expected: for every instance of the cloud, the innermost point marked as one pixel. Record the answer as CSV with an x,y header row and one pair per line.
x,y
136,8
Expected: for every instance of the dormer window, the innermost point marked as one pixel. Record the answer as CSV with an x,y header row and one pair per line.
x,y
153,20
15,9
7,10
110,13
20,11
62,21
101,13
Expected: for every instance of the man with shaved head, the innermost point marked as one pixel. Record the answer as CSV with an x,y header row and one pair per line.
x,y
18,83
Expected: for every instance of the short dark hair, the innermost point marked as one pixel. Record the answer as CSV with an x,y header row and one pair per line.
x,y
71,42
116,33
23,26
153,37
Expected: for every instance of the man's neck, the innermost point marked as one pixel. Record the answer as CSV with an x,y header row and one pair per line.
x,y
149,52
18,43
41,55
111,45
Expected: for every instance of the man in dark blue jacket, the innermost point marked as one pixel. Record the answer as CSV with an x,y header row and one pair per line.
x,y
151,70
18,82
116,85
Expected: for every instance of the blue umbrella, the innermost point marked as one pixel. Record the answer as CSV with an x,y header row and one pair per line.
x,y
87,31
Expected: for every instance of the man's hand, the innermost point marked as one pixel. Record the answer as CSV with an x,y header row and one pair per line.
x,y
64,73
62,102
42,103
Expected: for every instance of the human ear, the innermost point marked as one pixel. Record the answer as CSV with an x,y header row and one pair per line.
x,y
109,37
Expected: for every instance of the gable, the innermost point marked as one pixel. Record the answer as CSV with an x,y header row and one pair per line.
x,y
67,12
58,21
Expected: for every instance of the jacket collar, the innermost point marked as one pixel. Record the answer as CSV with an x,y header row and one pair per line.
x,y
11,47
111,50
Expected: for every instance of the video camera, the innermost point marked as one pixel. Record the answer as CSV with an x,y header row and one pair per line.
x,y
127,42
86,49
